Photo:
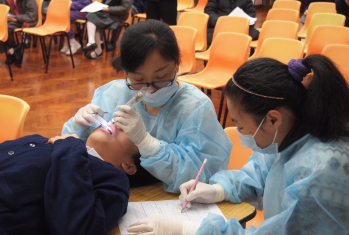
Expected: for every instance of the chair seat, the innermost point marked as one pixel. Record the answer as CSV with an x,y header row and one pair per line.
x,y
254,44
209,81
203,55
80,21
182,7
42,30
18,30
302,34
141,16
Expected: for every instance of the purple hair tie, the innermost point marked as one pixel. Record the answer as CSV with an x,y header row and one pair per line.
x,y
297,69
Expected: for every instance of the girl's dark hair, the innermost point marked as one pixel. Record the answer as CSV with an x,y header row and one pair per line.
x,y
142,38
142,176
321,110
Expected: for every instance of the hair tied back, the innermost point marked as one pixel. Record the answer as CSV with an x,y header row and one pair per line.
x,y
297,69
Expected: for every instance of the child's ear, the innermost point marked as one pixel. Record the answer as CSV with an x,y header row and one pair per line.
x,y
129,168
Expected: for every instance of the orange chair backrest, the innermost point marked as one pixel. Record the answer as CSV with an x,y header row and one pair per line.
x,y
339,54
282,49
239,155
182,4
318,7
39,3
198,21
228,52
327,34
58,14
186,43
283,14
295,5
4,10
276,29
200,6
232,24
13,112
129,18
323,19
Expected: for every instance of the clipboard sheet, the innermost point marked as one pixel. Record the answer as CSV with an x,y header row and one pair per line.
x,y
140,210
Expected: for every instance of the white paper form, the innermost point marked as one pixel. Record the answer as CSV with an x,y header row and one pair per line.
x,y
140,210
239,12
94,7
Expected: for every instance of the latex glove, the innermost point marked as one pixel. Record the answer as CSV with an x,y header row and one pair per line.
x,y
158,224
131,123
87,115
203,193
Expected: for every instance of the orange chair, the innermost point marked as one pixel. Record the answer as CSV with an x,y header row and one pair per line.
x,y
281,49
322,19
339,54
275,28
4,10
199,7
232,24
316,7
13,112
184,4
57,22
283,14
326,34
139,16
228,52
198,21
239,156
295,5
186,42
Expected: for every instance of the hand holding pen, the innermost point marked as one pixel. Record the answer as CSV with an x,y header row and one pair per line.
x,y
193,191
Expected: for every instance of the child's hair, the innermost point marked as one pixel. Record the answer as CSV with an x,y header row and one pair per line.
x,y
140,39
321,109
142,176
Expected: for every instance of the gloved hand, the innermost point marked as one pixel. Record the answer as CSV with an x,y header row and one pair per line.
x,y
158,224
131,123
86,115
203,193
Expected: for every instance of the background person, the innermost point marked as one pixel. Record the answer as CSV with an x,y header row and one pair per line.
x,y
176,127
299,168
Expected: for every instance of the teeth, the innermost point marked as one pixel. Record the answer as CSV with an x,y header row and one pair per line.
x,y
110,131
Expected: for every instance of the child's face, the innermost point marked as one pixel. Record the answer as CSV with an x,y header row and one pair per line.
x,y
116,149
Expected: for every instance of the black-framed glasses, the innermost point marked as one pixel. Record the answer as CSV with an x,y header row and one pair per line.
x,y
159,84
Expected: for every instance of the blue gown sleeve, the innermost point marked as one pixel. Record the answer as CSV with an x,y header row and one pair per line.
x,y
200,136
246,184
316,200
82,194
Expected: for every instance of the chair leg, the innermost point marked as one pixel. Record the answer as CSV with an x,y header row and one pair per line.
x,y
43,48
225,116
35,40
71,54
24,37
220,107
209,92
49,51
9,66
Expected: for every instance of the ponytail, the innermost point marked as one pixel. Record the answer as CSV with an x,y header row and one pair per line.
x,y
326,110
321,108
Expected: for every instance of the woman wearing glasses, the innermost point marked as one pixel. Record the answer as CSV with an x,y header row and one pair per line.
x,y
175,128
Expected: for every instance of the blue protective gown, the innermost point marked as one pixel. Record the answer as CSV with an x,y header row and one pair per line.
x,y
303,190
186,126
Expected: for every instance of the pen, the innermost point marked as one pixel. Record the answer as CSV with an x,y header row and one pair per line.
x,y
195,182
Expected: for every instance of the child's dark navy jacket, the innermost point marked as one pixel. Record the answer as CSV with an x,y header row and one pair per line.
x,y
58,189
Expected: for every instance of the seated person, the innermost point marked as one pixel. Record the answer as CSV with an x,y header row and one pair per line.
x,y
342,7
75,14
23,14
108,18
61,186
215,9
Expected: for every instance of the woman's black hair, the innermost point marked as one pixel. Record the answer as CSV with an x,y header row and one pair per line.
x,y
142,176
321,109
142,38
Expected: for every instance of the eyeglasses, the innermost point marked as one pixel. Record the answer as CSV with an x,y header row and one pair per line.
x,y
159,84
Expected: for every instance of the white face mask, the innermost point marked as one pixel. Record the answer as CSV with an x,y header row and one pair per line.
x,y
248,141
